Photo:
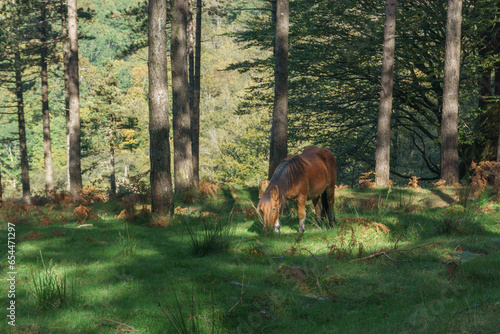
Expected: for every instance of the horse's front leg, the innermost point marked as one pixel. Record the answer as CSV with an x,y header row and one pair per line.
x,y
301,210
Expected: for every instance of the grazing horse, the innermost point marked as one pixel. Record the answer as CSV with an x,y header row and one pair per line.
x,y
310,175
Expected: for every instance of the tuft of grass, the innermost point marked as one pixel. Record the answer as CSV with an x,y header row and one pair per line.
x,y
49,288
460,220
127,244
213,237
190,320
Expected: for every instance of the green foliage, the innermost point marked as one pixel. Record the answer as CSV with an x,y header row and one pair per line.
x,y
335,64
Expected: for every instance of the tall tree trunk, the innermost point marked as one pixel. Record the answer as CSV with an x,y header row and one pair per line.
x,y
25,176
183,160
112,174
279,136
65,48
195,110
75,170
449,123
162,203
272,167
190,52
1,187
383,150
497,105
47,150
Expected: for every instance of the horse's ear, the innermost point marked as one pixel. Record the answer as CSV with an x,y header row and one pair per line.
x,y
275,193
263,187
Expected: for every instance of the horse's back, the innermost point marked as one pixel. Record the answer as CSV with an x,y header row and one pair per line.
x,y
323,166
312,153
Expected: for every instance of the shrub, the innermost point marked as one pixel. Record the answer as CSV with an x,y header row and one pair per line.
x,y
365,181
413,183
485,172
83,213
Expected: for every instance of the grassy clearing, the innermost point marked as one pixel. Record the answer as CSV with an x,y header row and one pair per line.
x,y
122,273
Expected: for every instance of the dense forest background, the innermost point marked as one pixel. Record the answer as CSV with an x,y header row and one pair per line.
x,y
334,85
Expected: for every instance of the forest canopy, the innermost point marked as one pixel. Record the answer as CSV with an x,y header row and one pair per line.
x,y
334,69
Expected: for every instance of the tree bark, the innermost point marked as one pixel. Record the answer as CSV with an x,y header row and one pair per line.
x,y
279,129
190,52
195,109
65,49
1,187
496,91
183,160
25,176
162,203
47,150
112,173
75,171
383,150
449,123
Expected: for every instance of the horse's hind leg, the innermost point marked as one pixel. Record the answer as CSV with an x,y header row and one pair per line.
x,y
301,211
330,202
318,207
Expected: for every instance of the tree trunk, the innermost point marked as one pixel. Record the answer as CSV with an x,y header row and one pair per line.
x,y
1,187
183,160
25,176
47,150
195,110
112,175
279,130
497,104
190,52
75,171
449,123
383,150
65,48
162,203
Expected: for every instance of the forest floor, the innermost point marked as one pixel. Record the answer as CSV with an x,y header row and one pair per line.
x,y
398,260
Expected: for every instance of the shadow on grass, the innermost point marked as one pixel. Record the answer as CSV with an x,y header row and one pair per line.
x,y
127,288
444,196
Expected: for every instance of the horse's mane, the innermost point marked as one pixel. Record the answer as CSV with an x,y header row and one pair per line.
x,y
285,175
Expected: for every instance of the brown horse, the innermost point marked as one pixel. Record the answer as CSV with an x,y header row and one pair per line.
x,y
310,175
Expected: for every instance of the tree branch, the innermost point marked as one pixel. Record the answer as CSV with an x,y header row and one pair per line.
x,y
385,253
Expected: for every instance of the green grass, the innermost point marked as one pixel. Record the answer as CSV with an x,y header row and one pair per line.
x,y
49,287
150,278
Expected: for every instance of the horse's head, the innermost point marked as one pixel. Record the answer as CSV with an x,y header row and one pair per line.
x,y
269,207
